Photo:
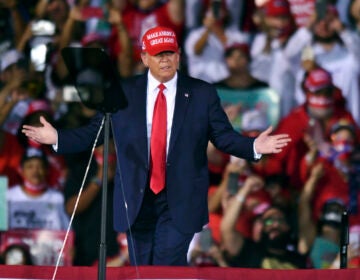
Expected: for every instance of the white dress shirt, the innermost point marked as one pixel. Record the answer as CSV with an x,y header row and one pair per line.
x,y
152,93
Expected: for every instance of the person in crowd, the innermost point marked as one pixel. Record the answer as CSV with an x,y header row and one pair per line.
x,y
323,107
33,205
108,33
14,15
53,15
12,77
205,252
268,62
57,168
17,253
88,211
240,14
205,46
275,248
335,158
233,175
161,184
14,96
140,15
303,10
320,238
11,153
238,60
336,48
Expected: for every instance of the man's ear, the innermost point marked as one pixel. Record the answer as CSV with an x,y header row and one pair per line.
x,y
144,59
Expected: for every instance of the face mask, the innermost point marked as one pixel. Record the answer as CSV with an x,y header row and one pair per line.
x,y
34,189
342,146
341,150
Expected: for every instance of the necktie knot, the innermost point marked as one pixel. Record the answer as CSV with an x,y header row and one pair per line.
x,y
161,87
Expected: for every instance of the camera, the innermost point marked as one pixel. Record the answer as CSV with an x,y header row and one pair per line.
x,y
70,94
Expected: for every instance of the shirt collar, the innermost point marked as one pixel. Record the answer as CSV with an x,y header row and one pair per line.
x,y
153,83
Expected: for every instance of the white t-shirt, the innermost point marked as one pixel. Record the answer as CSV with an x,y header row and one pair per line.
x,y
43,212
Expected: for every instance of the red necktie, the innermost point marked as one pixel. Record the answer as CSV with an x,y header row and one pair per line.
x,y
158,143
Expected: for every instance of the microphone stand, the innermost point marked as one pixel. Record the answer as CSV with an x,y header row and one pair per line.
x,y
102,246
98,84
344,239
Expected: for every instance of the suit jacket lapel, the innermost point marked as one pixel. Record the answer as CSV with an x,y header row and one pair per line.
x,y
182,100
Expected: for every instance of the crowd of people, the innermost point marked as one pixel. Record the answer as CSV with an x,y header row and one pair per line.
x,y
283,211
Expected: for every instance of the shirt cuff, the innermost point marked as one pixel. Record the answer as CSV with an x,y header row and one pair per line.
x,y
55,146
256,155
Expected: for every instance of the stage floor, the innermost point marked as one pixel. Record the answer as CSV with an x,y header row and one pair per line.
x,y
152,272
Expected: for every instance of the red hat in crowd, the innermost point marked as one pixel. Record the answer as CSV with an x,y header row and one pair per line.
x,y
238,46
277,8
94,37
318,79
159,39
39,105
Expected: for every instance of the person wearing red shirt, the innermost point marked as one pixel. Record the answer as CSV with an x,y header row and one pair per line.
x,y
323,107
10,157
138,16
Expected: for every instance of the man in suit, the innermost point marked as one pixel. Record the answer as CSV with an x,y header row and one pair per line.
x,y
161,218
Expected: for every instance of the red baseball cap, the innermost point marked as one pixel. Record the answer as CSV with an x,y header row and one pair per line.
x,y
318,79
244,47
94,37
39,105
159,39
277,8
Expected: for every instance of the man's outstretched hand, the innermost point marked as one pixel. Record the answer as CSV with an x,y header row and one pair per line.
x,y
45,134
271,144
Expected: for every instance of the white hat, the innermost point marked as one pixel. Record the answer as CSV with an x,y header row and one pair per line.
x,y
9,58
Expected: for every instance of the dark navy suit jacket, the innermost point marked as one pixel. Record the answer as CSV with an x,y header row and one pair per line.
x,y
198,118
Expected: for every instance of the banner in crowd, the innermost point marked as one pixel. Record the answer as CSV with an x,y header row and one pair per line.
x,y
44,245
3,203
237,102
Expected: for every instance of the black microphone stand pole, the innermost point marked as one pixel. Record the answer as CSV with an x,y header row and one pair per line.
x,y
102,247
344,239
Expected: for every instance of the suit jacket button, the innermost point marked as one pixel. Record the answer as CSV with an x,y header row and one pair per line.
x,y
141,190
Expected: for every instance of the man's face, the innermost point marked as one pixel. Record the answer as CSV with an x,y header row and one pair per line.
x,y
34,171
320,104
163,66
237,61
277,26
275,232
323,31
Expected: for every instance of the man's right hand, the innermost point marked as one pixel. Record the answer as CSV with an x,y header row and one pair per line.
x,y
45,134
